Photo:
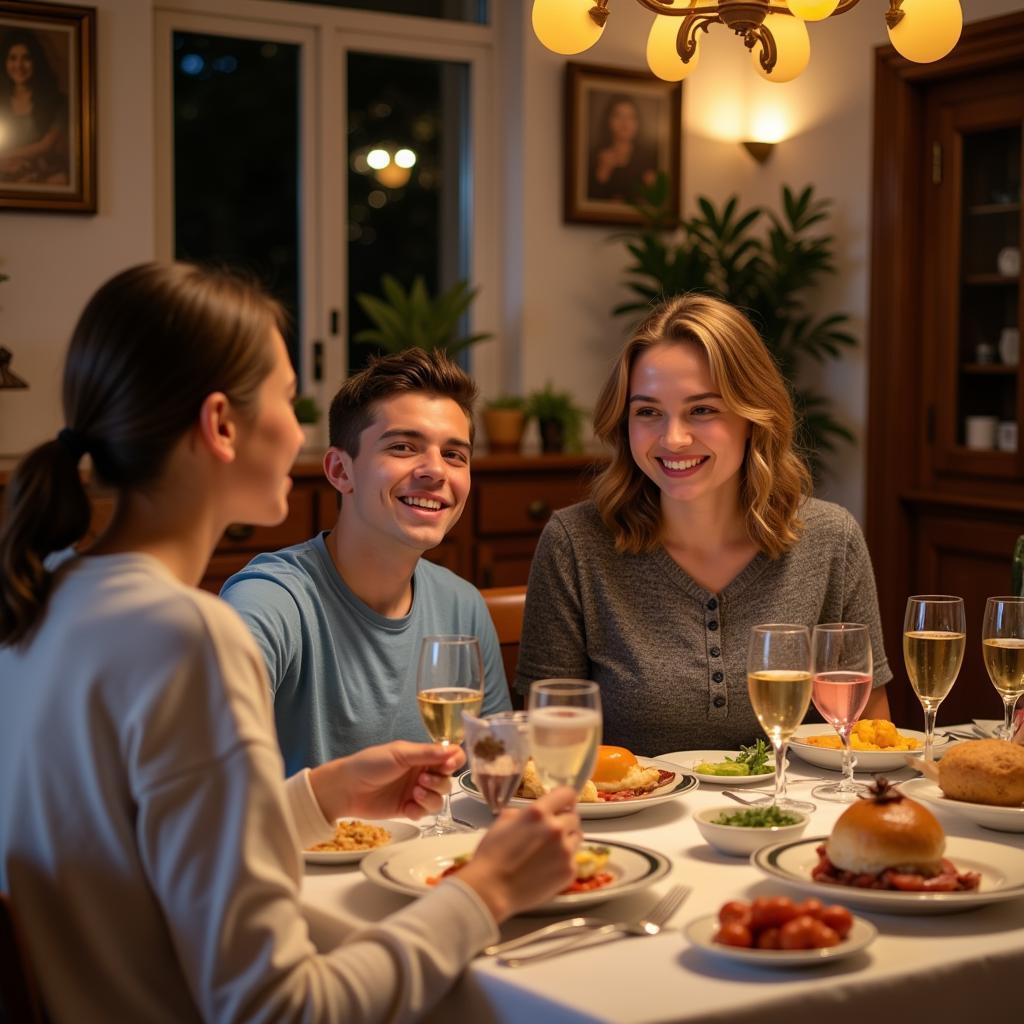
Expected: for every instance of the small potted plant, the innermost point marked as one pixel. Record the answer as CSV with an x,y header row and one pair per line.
x,y
559,419
504,422
307,412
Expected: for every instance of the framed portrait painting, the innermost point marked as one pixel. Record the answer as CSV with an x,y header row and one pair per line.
x,y
622,129
47,107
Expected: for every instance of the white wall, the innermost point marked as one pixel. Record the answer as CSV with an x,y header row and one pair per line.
x,y
571,274
55,261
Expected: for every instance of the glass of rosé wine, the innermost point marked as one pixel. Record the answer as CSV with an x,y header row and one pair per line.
x,y
499,747
840,688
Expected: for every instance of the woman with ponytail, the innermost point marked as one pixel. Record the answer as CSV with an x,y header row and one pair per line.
x,y
700,527
148,840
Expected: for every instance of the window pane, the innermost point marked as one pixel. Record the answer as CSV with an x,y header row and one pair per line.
x,y
408,178
450,10
235,188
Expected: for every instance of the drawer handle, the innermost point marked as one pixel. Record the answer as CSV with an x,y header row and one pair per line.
x,y
538,509
239,531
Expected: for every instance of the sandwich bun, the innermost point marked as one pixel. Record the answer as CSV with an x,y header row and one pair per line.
x,y
887,831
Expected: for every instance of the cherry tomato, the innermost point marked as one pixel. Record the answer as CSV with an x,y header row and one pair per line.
x,y
769,939
771,912
798,933
839,919
735,911
733,934
811,907
822,936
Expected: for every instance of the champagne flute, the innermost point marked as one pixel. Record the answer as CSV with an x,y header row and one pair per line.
x,y
934,636
1002,647
565,730
449,680
779,684
499,747
841,686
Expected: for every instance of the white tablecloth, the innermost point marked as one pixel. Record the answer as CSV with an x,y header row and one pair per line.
x,y
959,967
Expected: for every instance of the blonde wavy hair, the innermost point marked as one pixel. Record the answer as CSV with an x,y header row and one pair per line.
x,y
774,478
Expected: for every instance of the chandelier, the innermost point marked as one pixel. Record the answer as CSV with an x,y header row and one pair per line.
x,y
774,31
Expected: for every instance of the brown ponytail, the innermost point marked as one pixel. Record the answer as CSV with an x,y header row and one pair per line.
x,y
149,347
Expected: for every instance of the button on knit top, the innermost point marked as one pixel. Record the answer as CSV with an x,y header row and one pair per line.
x,y
669,655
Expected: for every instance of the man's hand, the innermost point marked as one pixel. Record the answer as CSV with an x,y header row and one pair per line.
x,y
394,778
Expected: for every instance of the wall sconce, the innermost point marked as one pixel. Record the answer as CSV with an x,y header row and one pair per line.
x,y
760,151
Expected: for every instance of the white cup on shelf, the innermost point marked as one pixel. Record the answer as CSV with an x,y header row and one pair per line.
x,y
1009,346
1006,436
980,432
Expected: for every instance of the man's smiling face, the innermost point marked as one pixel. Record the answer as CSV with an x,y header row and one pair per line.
x,y
409,483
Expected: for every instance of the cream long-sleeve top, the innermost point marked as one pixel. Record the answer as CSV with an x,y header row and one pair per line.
x,y
148,841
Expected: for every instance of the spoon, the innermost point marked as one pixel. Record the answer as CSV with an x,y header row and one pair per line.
x,y
739,799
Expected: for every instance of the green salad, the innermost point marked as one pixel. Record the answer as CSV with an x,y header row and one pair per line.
x,y
757,817
752,760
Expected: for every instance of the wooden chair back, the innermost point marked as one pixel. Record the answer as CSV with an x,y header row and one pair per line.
x,y
19,998
506,606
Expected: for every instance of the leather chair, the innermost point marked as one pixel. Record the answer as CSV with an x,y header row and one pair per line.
x,y
506,606
20,1002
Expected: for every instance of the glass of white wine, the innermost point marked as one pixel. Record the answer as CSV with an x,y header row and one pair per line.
x,y
449,680
934,636
779,684
565,730
1002,646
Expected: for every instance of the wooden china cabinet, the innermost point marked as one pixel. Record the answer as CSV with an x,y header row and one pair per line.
x,y
945,463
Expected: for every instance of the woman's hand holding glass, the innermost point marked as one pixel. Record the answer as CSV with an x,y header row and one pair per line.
x,y
1002,647
934,636
449,681
565,730
841,667
779,683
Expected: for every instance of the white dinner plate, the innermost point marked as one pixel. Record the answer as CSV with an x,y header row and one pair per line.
x,y
679,784
686,759
701,933
987,728
401,831
864,760
406,869
1001,868
1002,819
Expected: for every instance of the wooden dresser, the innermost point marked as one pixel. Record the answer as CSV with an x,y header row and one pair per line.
x,y
512,497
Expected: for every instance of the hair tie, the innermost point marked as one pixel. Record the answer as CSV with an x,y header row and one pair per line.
x,y
73,441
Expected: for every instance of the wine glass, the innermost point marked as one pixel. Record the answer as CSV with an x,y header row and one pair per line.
x,y
565,730
779,683
498,747
1002,647
841,686
449,680
934,636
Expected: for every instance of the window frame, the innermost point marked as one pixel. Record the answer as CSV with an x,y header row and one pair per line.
x,y
327,35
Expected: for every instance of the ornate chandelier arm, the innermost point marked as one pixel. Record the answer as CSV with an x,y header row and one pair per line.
x,y
715,7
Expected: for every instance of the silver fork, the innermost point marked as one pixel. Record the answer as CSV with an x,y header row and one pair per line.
x,y
651,924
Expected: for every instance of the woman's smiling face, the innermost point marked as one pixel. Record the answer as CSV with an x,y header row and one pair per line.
x,y
681,434
18,64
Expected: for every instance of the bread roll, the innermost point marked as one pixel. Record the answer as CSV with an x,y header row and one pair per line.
x,y
871,836
984,772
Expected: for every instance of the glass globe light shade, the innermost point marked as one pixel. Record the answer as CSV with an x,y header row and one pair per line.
x,y
794,46
928,30
564,26
662,57
813,10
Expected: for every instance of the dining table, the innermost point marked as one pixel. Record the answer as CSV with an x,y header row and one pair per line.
x,y
962,966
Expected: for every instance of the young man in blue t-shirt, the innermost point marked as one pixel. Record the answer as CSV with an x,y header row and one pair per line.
x,y
340,618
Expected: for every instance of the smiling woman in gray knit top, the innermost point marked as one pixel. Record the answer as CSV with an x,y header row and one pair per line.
x,y
701,527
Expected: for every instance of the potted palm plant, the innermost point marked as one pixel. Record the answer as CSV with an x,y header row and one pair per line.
x,y
414,319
